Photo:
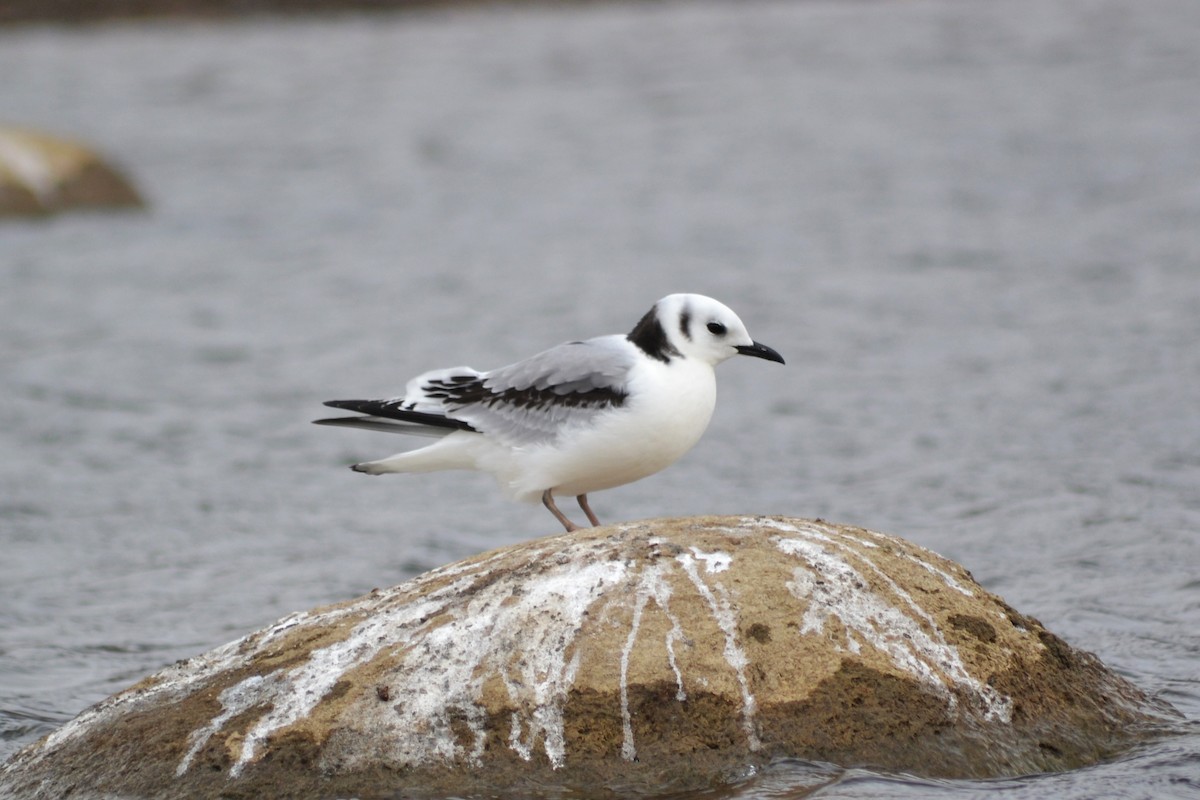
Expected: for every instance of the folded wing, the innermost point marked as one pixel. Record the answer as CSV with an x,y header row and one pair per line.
x,y
523,404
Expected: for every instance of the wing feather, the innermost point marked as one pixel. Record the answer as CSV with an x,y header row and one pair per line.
x,y
529,402
522,404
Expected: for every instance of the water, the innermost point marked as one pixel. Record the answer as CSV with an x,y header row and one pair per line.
x,y
972,229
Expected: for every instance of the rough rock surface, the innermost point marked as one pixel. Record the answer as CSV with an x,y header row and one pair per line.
x,y
43,174
643,657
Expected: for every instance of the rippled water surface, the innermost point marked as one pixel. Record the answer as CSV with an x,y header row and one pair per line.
x,y
972,228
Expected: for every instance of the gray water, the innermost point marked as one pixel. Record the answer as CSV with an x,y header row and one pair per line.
x,y
973,229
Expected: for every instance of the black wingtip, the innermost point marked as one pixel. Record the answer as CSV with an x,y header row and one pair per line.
x,y
391,409
352,405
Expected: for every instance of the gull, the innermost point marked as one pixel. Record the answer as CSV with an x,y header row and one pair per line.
x,y
578,418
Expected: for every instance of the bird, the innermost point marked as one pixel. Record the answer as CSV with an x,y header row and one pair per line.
x,y
578,418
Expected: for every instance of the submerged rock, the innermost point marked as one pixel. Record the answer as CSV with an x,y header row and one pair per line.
x,y
644,657
42,174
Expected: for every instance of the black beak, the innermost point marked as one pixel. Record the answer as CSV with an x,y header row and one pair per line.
x,y
759,351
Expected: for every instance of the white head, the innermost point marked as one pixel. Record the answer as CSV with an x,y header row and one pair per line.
x,y
695,326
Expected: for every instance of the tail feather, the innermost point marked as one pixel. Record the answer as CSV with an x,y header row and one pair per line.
x,y
450,452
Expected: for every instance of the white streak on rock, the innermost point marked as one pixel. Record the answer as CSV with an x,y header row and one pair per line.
x,y
447,642
651,585
234,699
628,750
177,680
291,694
903,631
673,635
826,535
946,577
860,541
713,562
544,620
295,692
723,613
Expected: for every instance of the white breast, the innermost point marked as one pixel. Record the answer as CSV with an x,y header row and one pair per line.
x,y
668,408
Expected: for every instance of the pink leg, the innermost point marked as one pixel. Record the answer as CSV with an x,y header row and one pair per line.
x,y
548,502
583,503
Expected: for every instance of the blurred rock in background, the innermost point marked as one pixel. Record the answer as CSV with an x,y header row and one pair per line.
x,y
98,10
44,174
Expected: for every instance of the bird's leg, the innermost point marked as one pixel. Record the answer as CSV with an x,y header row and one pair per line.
x,y
548,502
583,503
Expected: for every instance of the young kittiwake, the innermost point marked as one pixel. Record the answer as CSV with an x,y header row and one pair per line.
x,y
574,419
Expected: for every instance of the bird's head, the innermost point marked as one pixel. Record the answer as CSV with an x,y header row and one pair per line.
x,y
695,326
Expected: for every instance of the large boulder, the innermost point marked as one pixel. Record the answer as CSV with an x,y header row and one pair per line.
x,y
42,174
648,656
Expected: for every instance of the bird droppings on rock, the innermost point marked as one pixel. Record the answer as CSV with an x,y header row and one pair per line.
x,y
646,657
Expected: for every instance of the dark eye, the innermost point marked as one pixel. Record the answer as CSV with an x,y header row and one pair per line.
x,y
716,329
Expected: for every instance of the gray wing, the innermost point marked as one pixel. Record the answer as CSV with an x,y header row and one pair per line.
x,y
531,401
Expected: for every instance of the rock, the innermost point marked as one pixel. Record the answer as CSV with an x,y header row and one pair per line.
x,y
42,174
652,656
